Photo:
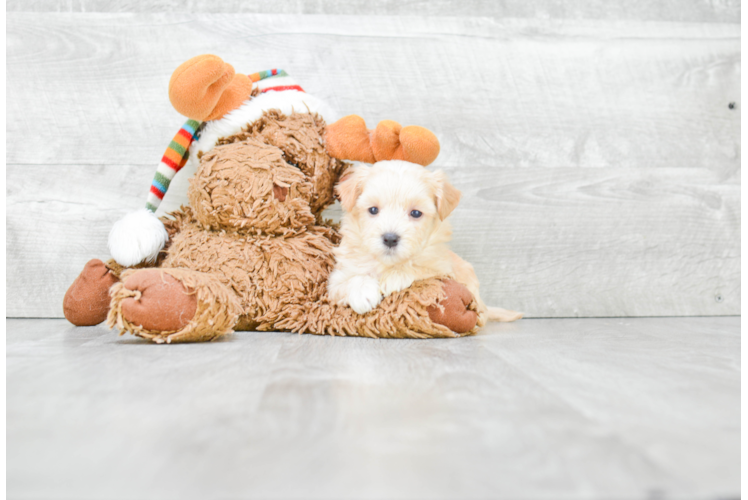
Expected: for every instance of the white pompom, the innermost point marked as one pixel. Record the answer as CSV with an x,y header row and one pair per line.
x,y
137,237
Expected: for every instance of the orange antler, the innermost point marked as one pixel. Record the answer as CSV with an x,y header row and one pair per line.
x,y
206,88
349,139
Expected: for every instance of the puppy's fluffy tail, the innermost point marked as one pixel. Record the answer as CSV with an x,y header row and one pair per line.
x,y
499,314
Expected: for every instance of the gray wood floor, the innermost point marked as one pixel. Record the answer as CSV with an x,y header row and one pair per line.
x,y
564,408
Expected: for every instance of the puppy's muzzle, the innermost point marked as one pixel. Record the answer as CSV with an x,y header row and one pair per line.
x,y
390,240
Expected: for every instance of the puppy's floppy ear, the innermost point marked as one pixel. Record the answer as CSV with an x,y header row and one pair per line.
x,y
447,196
350,187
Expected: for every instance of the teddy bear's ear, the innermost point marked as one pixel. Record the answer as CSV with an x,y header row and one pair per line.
x,y
447,196
206,88
350,187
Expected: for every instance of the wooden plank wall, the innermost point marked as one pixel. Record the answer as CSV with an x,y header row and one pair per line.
x,y
692,11
597,153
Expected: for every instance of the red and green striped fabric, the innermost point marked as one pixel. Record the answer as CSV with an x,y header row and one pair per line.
x,y
172,162
275,80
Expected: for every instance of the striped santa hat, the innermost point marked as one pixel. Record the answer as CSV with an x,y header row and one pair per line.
x,y
139,236
176,155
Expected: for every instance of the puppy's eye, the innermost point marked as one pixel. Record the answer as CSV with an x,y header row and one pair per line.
x,y
373,210
415,214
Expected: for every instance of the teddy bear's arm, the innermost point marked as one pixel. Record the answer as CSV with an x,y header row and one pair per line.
x,y
430,308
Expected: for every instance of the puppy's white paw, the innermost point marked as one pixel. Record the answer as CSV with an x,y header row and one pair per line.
x,y
395,282
364,295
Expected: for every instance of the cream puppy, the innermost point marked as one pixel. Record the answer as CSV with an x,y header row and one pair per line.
x,y
395,231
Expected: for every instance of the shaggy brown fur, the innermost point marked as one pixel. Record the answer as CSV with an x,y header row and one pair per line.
x,y
256,253
233,190
403,314
299,137
266,273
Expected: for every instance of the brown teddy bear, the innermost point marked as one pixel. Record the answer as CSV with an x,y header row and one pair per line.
x,y
250,250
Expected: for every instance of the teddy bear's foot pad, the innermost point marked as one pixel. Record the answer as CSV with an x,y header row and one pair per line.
x,y
455,310
158,302
168,305
86,302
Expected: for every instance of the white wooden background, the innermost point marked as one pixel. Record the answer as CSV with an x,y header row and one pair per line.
x,y
593,142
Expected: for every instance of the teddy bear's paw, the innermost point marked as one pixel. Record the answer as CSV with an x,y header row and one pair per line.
x,y
157,301
455,310
86,302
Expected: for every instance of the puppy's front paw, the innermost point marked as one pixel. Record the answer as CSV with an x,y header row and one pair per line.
x,y
364,297
395,282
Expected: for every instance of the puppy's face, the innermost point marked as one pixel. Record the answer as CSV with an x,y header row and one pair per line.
x,y
394,206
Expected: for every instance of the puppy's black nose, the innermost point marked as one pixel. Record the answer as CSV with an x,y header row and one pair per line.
x,y
390,239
